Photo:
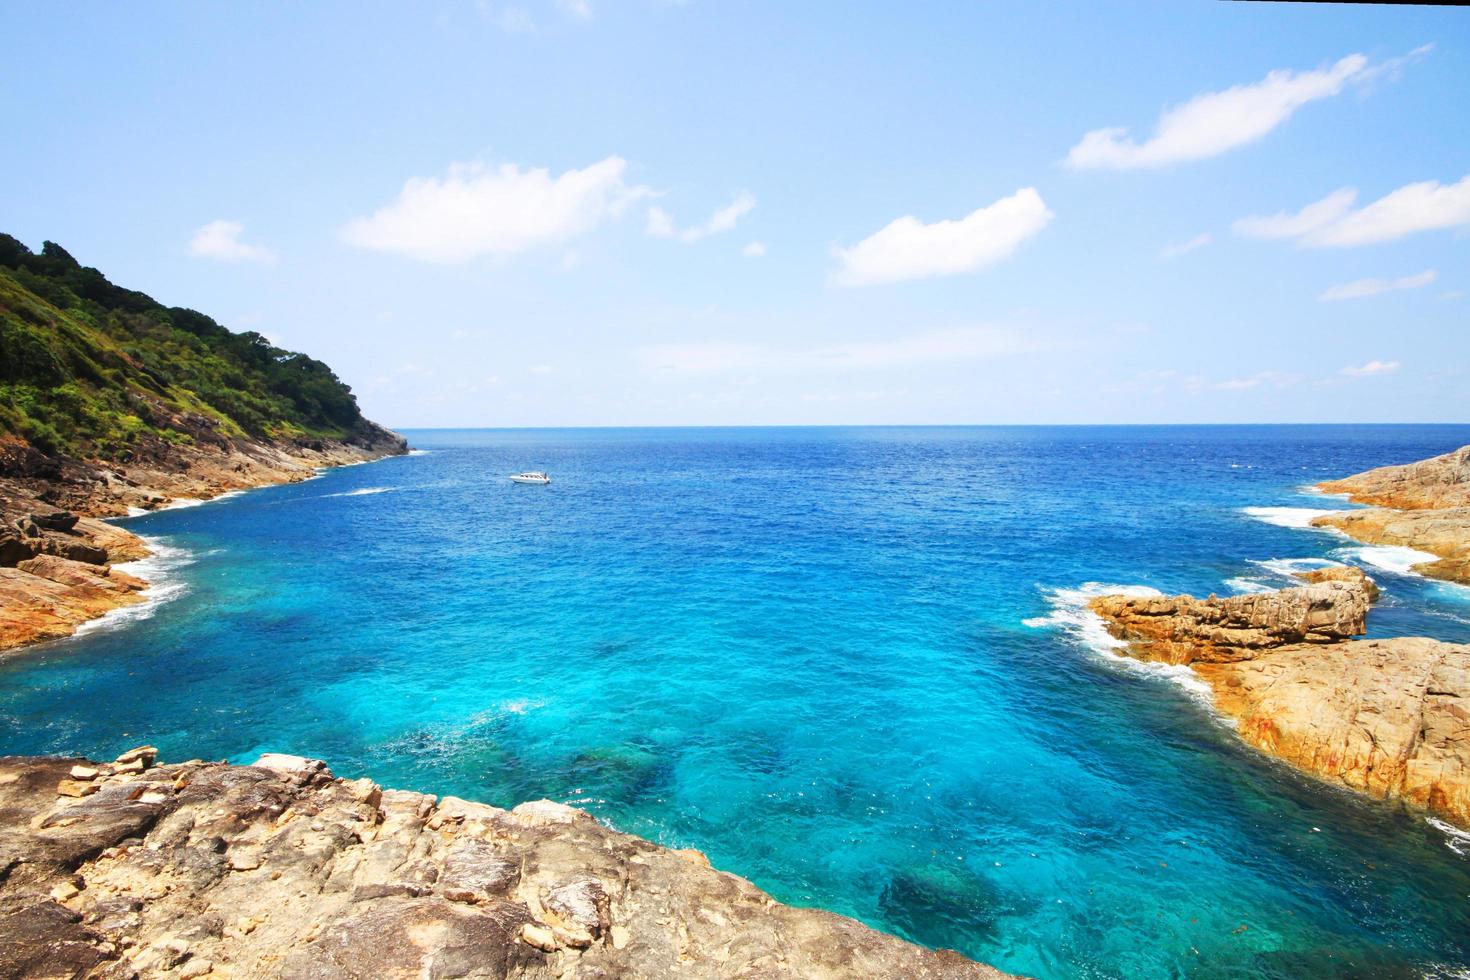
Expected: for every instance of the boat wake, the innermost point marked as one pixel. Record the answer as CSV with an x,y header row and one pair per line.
x,y
361,492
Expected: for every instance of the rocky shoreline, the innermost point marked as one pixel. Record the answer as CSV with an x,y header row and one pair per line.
x,y
57,555
280,869
1423,505
1389,718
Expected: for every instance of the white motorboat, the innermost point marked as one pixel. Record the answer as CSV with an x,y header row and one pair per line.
x,y
531,476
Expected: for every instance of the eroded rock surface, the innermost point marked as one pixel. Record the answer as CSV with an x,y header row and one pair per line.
x,y
1390,718
1423,505
1183,629
55,554
282,870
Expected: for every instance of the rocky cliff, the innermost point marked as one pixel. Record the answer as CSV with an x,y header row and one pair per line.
x,y
281,870
1390,718
56,564
111,401
1423,505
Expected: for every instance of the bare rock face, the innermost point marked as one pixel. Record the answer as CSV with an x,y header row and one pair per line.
x,y
1350,574
45,592
1390,718
1443,481
1442,532
1423,505
282,870
1183,629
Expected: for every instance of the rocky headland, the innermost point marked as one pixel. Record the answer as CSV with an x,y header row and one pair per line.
x,y
57,555
279,869
1390,717
1423,505
111,402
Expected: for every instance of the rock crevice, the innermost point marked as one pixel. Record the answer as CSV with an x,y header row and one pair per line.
x,y
280,869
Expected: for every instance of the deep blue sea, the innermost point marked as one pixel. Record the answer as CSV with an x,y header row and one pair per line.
x,y
850,664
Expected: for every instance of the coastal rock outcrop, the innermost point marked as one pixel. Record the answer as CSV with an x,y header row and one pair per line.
x,y
280,869
55,561
1183,629
1389,717
1423,505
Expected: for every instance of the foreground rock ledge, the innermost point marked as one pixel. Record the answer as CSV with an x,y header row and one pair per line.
x,y
1390,718
281,870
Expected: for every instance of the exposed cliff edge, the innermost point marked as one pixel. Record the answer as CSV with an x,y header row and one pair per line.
x,y
112,402
280,869
1390,718
1423,505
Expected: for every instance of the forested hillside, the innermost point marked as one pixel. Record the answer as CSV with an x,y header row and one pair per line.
x,y
91,370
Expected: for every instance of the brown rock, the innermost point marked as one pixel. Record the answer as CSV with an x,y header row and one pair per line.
x,y
351,891
1423,505
1390,718
1182,629
1350,574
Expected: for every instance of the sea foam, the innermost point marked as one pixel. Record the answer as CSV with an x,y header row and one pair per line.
x,y
1070,615
1301,517
160,571
1456,839
1393,558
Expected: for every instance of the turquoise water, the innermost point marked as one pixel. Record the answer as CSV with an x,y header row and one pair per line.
x,y
846,663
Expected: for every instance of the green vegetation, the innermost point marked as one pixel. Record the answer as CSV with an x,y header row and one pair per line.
x,y
91,370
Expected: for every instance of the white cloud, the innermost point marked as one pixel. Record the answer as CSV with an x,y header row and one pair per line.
x,y
580,9
754,250
1425,206
221,240
1360,288
661,223
1332,223
1215,122
1316,215
474,211
909,249
1371,368
1183,248
931,347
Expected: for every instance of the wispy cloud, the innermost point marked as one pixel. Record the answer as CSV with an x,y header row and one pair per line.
x,y
754,250
1371,368
930,347
1183,248
1331,222
1361,288
907,248
1161,381
1215,122
220,240
661,223
580,9
475,211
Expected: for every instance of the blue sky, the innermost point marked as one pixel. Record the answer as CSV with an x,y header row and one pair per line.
x,y
553,212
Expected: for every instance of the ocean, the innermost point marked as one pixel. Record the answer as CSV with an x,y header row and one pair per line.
x,y
850,664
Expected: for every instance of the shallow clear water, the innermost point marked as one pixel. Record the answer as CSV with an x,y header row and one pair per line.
x,y
846,663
